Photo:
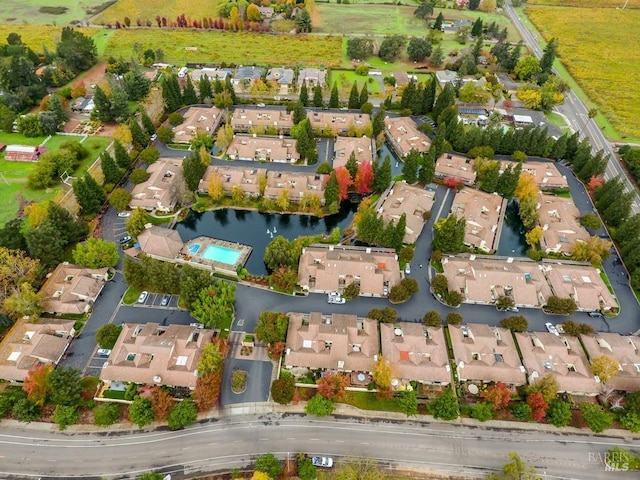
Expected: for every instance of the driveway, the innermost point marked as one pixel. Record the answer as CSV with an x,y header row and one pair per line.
x,y
258,381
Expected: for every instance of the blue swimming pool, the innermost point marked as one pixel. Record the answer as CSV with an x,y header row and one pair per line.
x,y
220,254
193,249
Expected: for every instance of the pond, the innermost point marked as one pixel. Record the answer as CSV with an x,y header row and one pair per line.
x,y
396,165
250,228
512,241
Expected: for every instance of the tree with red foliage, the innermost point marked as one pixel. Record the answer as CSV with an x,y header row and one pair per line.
x,y
36,384
276,349
451,182
207,392
538,406
164,21
364,178
158,21
332,385
344,180
594,183
162,404
499,395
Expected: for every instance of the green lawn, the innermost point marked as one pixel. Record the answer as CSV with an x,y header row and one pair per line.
x,y
368,401
56,141
346,78
30,11
19,139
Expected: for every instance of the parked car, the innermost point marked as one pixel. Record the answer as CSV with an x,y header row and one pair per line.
x,y
552,329
124,214
125,239
513,309
335,298
103,352
143,297
595,314
196,325
407,269
165,300
323,462
260,105
385,291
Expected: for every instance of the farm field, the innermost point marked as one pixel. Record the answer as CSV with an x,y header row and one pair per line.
x,y
148,9
594,47
391,19
49,12
37,36
232,48
588,3
16,173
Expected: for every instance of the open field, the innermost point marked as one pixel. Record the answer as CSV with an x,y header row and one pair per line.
x,y
232,48
588,3
16,173
37,36
391,19
346,78
601,61
148,9
49,12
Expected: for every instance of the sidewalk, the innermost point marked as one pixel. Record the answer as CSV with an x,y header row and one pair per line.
x,y
341,410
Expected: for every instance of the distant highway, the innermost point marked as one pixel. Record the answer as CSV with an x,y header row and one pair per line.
x,y
577,114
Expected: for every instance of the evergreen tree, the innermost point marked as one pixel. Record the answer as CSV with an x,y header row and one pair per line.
x,y
317,96
123,160
509,181
218,86
138,136
11,235
109,168
189,96
446,99
559,147
119,104
429,96
334,100
549,55
135,84
228,86
55,106
382,175
513,58
147,124
490,178
89,195
427,169
332,191
378,122
304,95
364,95
449,234
437,147
171,93
352,165
102,105
408,95
398,238
476,30
410,166
204,87
193,169
437,25
354,97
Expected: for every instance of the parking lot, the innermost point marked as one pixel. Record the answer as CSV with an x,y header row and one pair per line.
x,y
155,300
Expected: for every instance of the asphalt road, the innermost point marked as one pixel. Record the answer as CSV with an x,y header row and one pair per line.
x,y
236,441
577,115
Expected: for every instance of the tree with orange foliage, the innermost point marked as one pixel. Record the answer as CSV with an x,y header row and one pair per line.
x,y
333,385
594,183
207,392
364,178
499,395
452,182
36,384
162,404
344,180
276,349
538,406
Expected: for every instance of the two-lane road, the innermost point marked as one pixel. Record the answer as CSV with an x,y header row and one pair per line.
x,y
235,442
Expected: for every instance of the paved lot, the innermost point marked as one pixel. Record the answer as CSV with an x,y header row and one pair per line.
x,y
258,381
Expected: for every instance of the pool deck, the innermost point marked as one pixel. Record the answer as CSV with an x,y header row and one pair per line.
x,y
197,260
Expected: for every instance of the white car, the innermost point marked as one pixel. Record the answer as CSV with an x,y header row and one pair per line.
x,y
197,325
335,298
143,297
552,329
407,269
103,352
323,462
260,105
124,214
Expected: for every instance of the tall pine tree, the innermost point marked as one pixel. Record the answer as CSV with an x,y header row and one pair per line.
x,y
138,136
123,160
89,195
382,175
364,95
334,101
304,95
410,166
147,124
204,88
317,96
109,169
354,97
189,96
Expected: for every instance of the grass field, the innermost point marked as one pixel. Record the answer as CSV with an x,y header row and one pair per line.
x,y
37,36
346,78
390,19
595,49
16,173
148,9
588,3
239,48
49,12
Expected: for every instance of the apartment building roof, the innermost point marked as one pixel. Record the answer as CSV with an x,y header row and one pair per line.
x,y
312,76
559,219
483,213
160,242
363,148
451,165
483,279
153,354
327,268
404,135
72,288
561,356
298,184
486,354
197,120
27,345
412,201
159,191
416,352
337,342
247,178
546,174
259,148
245,118
624,349
339,122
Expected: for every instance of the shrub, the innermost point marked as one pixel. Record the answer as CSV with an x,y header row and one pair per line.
x,y
515,323
139,175
362,70
183,414
269,464
324,168
559,413
107,335
563,306
454,318
319,406
283,388
120,198
573,328
175,119
411,284
65,415
522,412
352,291
595,416
482,411
445,406
106,414
453,298
149,155
141,412
384,315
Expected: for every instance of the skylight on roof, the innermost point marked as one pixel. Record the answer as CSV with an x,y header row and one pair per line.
x,y
14,356
182,360
307,343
